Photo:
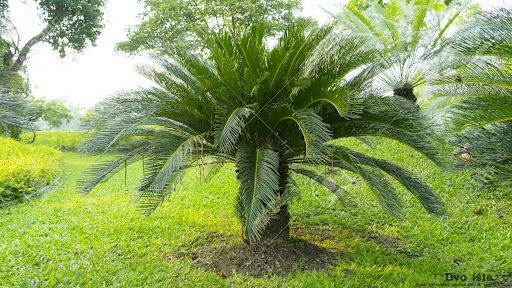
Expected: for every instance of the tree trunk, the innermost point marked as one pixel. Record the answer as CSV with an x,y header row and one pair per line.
x,y
33,41
406,91
278,230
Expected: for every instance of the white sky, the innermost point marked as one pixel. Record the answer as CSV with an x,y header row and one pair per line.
x,y
97,72
92,75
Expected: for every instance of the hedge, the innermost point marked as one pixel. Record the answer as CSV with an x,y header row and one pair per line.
x,y
25,169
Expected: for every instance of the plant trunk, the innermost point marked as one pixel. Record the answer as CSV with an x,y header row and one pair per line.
x,y
33,41
278,230
406,91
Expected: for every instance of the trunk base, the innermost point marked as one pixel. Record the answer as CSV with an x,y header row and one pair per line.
x,y
278,230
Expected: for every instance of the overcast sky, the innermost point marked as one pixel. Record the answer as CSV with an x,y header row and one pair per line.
x,y
88,77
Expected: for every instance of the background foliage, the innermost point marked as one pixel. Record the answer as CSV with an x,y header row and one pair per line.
x,y
166,25
26,168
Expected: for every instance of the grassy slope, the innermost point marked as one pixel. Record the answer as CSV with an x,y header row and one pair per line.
x,y
65,239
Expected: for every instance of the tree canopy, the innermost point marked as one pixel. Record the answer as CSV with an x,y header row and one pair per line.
x,y
166,24
70,25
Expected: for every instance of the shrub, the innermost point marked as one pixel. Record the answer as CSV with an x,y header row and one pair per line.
x,y
24,169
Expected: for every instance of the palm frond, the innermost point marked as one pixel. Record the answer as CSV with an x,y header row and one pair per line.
x,y
103,171
381,187
149,200
216,168
258,196
315,133
390,117
161,176
422,191
15,110
333,187
488,109
227,129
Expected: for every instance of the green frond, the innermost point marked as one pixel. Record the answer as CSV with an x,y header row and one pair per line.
x,y
258,196
455,12
422,191
488,109
490,148
149,200
393,118
101,172
227,129
333,187
315,133
14,111
216,168
165,165
381,187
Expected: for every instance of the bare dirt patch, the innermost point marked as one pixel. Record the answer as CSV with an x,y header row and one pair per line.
x,y
214,254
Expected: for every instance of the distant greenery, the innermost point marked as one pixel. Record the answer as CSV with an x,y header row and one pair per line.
x,y
64,239
25,168
53,112
62,140
166,25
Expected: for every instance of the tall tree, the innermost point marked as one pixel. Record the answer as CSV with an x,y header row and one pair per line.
x,y
271,112
167,24
70,25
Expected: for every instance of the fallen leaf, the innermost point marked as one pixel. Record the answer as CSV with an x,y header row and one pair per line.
x,y
221,274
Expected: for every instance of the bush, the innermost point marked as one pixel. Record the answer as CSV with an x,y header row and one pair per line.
x,y
24,169
62,140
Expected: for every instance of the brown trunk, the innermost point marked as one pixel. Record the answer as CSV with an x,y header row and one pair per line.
x,y
406,91
36,39
278,230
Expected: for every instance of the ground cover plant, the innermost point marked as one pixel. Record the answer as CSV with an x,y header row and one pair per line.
x,y
65,239
25,169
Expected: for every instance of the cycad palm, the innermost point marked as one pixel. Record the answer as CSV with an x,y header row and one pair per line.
x,y
483,116
271,112
410,36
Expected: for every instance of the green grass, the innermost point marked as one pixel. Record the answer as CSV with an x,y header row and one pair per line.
x,y
64,239
62,140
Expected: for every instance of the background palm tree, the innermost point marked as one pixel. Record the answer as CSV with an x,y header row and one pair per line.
x,y
271,112
482,117
410,37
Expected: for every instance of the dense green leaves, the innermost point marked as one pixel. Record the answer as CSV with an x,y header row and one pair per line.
x,y
26,169
481,120
73,24
266,110
170,25
258,196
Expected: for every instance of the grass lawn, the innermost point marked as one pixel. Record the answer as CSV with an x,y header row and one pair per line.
x,y
63,239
